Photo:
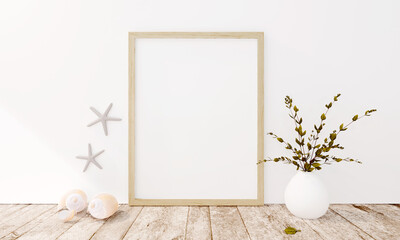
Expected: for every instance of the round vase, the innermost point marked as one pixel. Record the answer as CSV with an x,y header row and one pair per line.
x,y
306,196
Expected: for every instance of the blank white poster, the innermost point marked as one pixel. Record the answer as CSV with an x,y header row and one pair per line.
x,y
196,118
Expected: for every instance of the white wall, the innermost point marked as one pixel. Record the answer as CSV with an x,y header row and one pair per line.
x,y
57,58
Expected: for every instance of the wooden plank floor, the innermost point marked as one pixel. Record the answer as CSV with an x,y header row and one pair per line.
x,y
370,221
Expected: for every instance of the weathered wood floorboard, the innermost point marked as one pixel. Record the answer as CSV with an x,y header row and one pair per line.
x,y
372,221
9,210
84,229
21,217
50,228
5,206
390,211
118,225
331,224
375,224
269,222
159,223
198,224
226,223
27,227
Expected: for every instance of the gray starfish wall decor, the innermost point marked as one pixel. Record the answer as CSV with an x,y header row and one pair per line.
x,y
103,118
90,158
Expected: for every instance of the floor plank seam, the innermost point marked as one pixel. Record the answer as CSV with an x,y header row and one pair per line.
x,y
100,227
187,220
244,224
353,224
123,235
359,206
362,208
209,222
72,225
316,232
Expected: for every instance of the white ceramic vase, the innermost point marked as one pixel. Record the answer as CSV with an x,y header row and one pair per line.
x,y
306,196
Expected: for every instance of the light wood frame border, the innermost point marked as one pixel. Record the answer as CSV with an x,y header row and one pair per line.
x,y
260,117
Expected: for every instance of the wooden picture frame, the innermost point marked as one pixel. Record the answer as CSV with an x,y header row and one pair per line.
x,y
259,36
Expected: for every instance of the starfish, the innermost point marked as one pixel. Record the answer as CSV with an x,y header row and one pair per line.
x,y
91,158
103,118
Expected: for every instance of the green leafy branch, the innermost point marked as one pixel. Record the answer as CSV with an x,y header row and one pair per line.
x,y
312,155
